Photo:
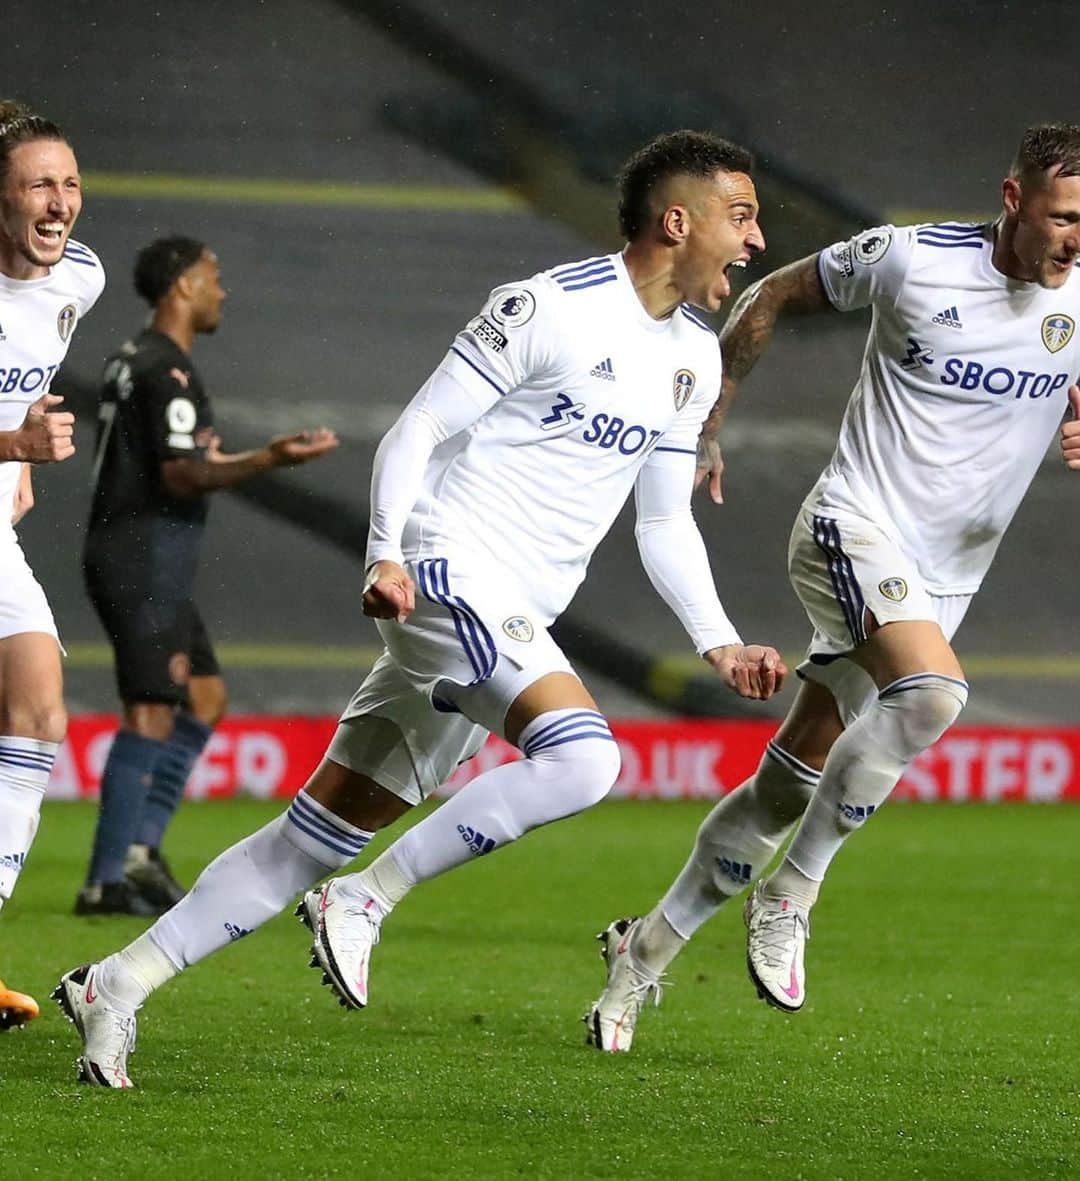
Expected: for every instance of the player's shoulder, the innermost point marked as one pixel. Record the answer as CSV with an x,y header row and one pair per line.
x,y
950,242
80,271
691,318
153,355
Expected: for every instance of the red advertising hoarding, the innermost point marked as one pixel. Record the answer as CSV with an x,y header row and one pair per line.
x,y
272,756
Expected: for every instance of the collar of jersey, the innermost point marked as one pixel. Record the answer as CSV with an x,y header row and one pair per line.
x,y
10,286
626,287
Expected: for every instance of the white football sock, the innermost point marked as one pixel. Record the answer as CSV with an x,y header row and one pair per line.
x,y
733,847
571,762
249,883
864,765
25,764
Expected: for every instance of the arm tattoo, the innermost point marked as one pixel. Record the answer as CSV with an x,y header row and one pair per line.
x,y
794,289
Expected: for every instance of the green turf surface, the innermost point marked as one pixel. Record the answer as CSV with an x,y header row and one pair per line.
x,y
940,1039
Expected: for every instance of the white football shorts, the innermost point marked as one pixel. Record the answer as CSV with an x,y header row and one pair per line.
x,y
844,568
23,605
447,677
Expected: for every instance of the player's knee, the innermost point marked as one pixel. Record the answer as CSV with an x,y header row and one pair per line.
x,y
46,720
928,703
588,764
209,700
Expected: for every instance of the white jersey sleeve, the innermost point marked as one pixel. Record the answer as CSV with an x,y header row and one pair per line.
x,y
869,268
442,408
508,343
84,275
515,339
673,552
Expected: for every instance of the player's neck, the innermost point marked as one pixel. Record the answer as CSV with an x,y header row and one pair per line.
x,y
175,326
650,272
1004,258
13,265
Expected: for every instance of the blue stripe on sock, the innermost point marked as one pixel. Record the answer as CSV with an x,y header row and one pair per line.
x,y
305,807
605,734
800,770
586,721
331,838
560,724
21,759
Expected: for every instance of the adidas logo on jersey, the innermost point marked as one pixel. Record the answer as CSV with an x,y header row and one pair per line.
x,y
604,370
950,317
13,861
2,336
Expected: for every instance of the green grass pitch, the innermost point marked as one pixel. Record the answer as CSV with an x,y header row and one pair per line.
x,y
940,1039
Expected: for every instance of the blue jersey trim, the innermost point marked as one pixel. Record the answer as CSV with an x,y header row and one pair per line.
x,y
472,365
678,450
570,269
589,273
959,244
609,277
842,574
694,320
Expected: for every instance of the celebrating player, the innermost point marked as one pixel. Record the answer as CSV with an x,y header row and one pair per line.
x,y
970,364
47,283
157,459
489,496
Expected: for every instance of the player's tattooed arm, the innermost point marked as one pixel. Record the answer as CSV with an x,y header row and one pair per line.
x,y
792,290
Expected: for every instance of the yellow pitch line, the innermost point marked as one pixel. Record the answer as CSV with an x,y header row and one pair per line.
x,y
160,186
253,656
668,675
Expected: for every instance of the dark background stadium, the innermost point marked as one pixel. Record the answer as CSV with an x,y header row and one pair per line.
x,y
337,311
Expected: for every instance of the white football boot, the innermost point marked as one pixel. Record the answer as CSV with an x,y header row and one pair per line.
x,y
776,935
108,1034
612,1018
346,928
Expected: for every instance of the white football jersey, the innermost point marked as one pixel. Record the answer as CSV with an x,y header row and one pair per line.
x,y
963,387
583,387
37,320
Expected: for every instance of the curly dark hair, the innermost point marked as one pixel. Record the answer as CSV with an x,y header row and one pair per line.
x,y
678,153
159,265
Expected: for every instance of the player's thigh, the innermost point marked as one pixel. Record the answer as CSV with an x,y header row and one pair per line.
x,y
391,734
907,648
474,645
31,687
151,640
31,679
866,599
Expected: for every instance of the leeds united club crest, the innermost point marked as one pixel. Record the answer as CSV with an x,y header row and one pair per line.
x,y
517,627
1057,331
65,322
683,387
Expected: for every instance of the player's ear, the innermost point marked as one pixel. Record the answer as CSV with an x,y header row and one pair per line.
x,y
1010,195
675,223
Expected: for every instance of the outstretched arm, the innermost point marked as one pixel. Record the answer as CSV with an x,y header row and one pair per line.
x,y
189,476
793,289
673,554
